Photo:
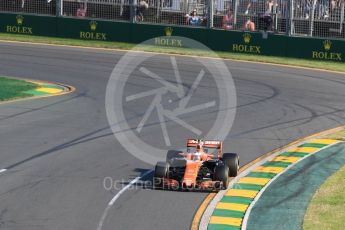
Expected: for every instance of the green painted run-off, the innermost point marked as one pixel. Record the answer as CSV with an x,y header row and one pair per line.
x,y
284,202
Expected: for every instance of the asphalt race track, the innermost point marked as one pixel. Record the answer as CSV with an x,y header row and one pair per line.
x,y
58,150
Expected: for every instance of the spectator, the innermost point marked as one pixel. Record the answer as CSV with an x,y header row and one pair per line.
x,y
228,20
334,4
81,11
193,19
306,8
283,8
143,6
249,25
335,7
323,9
269,6
252,6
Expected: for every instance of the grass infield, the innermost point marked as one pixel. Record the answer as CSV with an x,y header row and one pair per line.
x,y
327,65
13,88
327,207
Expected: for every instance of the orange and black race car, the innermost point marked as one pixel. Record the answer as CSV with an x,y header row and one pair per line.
x,y
203,166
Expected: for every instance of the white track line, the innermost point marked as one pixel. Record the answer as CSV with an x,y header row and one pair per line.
x,y
112,201
3,170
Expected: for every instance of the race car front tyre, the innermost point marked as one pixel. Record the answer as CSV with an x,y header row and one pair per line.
x,y
161,172
221,174
232,161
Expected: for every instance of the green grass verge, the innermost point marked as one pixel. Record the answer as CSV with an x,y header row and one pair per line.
x,y
226,55
327,208
13,88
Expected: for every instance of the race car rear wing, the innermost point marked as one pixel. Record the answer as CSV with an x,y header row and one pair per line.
x,y
207,143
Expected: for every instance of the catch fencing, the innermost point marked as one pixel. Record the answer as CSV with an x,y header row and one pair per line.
x,y
313,18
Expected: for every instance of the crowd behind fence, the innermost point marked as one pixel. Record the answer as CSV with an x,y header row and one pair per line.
x,y
317,18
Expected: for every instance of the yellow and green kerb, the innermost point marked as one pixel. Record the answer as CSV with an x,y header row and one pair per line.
x,y
45,89
230,210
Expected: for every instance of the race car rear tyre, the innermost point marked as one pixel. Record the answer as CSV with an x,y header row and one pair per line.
x,y
232,161
161,170
221,174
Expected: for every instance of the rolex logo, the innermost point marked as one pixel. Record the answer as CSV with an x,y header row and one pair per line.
x,y
246,38
93,25
168,31
20,20
327,44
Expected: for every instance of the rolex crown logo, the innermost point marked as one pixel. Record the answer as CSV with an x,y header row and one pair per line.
x,y
246,38
327,44
20,20
93,25
168,31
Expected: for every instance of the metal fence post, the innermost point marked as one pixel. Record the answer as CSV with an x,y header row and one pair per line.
x,y
287,19
275,16
133,10
311,21
292,15
210,13
342,16
235,7
59,8
159,8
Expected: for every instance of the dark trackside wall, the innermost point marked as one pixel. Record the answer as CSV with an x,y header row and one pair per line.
x,y
218,40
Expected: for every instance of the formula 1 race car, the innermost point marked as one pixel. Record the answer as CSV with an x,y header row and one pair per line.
x,y
203,166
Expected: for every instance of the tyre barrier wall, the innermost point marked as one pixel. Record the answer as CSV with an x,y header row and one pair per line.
x,y
217,40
